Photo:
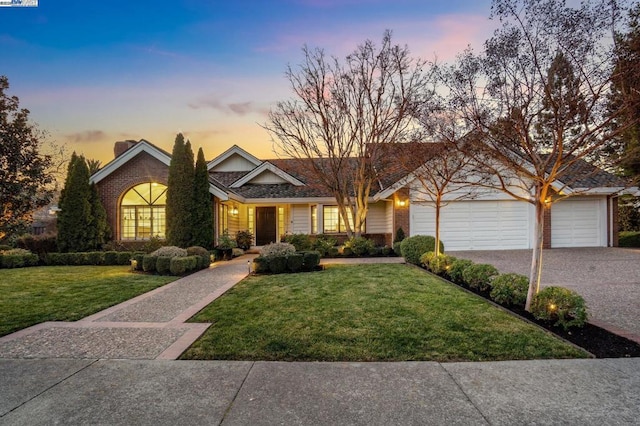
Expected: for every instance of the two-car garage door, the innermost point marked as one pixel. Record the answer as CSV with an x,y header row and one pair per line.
x,y
506,224
476,225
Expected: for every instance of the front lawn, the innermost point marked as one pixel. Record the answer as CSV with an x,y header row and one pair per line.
x,y
364,313
30,296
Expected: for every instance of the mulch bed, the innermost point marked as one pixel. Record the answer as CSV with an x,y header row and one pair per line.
x,y
600,342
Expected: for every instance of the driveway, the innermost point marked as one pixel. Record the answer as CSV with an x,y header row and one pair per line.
x,y
607,278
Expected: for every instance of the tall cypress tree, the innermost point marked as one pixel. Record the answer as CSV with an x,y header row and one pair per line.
x,y
100,227
180,193
75,218
202,213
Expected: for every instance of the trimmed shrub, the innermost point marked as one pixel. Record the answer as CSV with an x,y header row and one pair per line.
x,y
261,265
244,239
111,257
510,289
277,249
347,252
170,251
77,259
629,239
57,259
95,258
311,260
386,251
149,263
399,235
299,241
178,265
163,264
560,305
440,265
295,262
414,247
278,264
360,246
204,258
18,258
333,252
124,258
479,276
5,247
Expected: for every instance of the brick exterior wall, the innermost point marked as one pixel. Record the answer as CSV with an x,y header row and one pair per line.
x,y
401,213
140,169
546,237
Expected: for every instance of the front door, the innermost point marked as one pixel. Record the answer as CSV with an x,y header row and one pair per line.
x,y
265,225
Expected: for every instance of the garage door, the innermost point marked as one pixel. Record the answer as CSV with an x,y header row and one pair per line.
x,y
476,225
577,223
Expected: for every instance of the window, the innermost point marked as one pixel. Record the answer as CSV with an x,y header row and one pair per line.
x,y
223,218
332,222
142,212
314,219
281,227
250,219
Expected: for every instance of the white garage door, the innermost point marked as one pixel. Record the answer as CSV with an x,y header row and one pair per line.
x,y
578,223
476,225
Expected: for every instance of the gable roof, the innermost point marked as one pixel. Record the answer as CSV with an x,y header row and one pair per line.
x,y
141,146
147,147
266,167
229,153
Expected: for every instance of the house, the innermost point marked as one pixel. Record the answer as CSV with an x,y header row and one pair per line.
x,y
276,197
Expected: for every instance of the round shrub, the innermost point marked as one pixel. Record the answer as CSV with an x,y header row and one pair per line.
x,y
457,269
425,259
261,265
414,247
295,262
441,264
244,239
560,305
325,244
124,257
203,256
139,258
178,265
277,249
311,260
479,276
170,251
360,246
278,264
510,289
163,265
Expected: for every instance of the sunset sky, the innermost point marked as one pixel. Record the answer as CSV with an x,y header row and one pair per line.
x,y
94,72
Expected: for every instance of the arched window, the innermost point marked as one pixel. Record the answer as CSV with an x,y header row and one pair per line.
x,y
142,212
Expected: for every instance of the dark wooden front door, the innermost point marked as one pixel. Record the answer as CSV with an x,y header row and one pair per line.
x,y
265,225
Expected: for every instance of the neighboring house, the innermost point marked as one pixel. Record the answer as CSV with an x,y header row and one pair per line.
x,y
277,197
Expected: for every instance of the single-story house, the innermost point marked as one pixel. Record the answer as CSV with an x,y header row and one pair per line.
x,y
272,198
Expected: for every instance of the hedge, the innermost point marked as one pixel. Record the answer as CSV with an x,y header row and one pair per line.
x,y
297,262
92,258
629,239
414,247
18,258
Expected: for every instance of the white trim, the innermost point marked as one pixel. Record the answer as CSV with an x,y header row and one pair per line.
x,y
218,192
141,146
235,149
262,168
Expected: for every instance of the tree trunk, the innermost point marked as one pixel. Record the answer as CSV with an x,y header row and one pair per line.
x,y
536,258
437,242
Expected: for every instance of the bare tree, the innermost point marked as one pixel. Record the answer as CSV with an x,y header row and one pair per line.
x,y
343,111
537,97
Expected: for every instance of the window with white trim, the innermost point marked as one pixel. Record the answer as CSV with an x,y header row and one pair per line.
x,y
142,212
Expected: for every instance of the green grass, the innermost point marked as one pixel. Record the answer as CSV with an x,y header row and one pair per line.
x,y
30,296
364,313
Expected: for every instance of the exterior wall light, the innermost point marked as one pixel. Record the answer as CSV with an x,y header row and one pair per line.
x,y
234,211
402,203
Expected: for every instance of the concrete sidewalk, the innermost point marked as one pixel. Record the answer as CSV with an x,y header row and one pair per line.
x,y
150,326
124,392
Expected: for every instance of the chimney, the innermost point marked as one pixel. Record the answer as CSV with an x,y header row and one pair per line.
x,y
121,146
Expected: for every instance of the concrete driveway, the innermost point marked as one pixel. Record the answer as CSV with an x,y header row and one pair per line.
x,y
607,278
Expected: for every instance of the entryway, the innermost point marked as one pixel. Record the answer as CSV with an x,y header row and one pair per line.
x,y
265,225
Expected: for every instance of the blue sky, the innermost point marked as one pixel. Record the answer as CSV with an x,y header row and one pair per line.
x,y
94,72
